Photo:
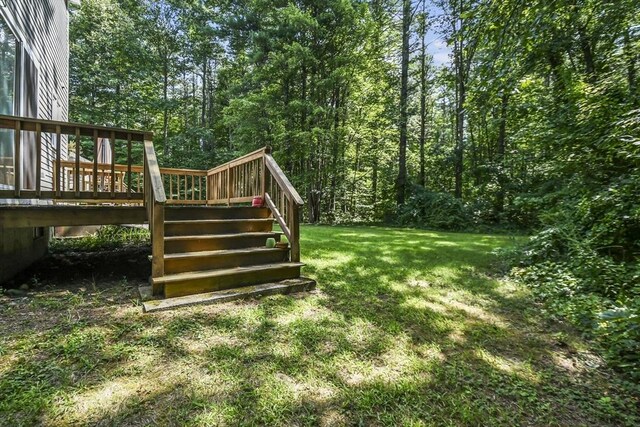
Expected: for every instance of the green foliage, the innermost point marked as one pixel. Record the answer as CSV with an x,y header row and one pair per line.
x,y
595,292
107,237
433,210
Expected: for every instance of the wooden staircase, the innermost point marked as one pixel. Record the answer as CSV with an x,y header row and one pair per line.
x,y
217,248
199,248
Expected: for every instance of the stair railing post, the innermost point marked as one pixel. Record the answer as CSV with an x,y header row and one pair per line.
x,y
263,176
294,228
155,198
157,240
228,185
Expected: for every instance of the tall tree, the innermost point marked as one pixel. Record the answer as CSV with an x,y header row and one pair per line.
x,y
459,16
401,181
423,24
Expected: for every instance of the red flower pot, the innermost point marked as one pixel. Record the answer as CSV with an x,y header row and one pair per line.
x,y
257,202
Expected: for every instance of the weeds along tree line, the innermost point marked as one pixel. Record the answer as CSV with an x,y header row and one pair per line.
x,y
534,123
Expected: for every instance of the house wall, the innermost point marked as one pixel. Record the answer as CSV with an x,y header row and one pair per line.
x,y
42,28
20,248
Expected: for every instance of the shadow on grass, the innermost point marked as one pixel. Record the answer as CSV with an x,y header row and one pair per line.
x,y
408,328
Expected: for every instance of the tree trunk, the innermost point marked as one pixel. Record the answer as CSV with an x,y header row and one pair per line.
x,y
587,53
334,152
502,133
460,100
165,106
401,182
423,97
632,58
374,178
356,166
203,111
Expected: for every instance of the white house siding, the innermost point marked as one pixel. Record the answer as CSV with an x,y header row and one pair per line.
x,y
42,27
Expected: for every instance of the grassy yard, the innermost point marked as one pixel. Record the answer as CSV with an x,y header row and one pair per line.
x,y
407,327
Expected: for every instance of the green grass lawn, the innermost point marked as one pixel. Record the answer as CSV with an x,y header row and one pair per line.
x,y
407,327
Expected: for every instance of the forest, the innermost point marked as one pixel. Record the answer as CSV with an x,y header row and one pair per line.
x,y
531,125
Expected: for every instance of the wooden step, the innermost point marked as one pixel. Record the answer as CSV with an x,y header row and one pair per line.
x,y
209,260
215,242
182,284
177,213
216,226
288,286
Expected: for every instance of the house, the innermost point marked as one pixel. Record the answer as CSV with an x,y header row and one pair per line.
x,y
205,239
34,64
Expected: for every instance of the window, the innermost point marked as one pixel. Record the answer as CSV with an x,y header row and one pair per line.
x,y
8,61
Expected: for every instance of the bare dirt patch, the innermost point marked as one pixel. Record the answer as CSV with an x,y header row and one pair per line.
x,y
61,268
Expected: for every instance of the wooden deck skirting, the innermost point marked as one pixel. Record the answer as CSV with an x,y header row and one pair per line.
x,y
51,216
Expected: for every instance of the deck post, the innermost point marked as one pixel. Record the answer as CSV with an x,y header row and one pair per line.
x,y
263,177
157,241
38,160
95,164
17,156
112,141
76,183
57,173
129,165
154,199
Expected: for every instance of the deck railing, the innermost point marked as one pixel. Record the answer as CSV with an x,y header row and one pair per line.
x,y
85,182
185,186
258,174
36,159
237,181
182,186
285,203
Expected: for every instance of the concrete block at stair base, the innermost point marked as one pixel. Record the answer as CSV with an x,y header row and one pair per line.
x,y
287,286
146,293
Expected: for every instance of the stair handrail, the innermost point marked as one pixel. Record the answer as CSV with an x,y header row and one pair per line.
x,y
240,160
282,179
154,201
287,204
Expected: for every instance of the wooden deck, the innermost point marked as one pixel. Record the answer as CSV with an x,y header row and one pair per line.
x,y
195,246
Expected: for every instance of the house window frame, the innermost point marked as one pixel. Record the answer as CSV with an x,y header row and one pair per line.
x,y
17,79
20,81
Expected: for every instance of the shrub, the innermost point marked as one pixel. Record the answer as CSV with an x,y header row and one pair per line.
x,y
597,293
106,238
434,210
